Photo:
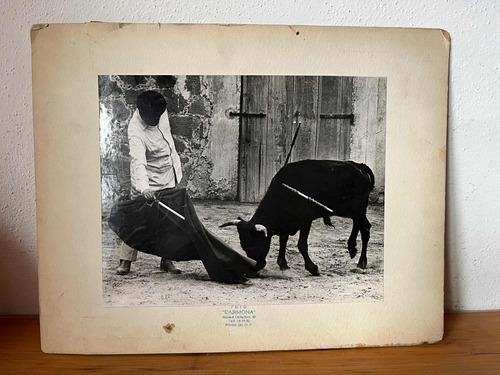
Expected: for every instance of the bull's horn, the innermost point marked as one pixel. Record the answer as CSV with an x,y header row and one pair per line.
x,y
232,222
261,228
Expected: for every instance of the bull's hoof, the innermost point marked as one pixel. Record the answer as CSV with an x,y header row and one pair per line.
x,y
260,265
352,252
362,263
284,267
314,270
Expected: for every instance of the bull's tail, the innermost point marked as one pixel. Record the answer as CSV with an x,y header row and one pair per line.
x,y
370,173
327,221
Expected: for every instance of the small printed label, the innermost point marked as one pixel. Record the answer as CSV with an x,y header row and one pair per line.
x,y
239,316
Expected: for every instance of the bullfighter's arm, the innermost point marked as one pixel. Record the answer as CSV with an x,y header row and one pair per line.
x,y
138,172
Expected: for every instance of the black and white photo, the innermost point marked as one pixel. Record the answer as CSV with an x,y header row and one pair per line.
x,y
280,178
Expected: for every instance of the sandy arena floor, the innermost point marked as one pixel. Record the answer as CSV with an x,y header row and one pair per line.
x,y
340,280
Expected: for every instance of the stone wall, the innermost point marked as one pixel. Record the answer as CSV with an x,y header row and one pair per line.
x,y
204,136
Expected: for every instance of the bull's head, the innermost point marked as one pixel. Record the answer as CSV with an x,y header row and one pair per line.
x,y
254,239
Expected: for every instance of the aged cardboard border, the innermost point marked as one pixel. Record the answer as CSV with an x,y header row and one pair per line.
x,y
67,58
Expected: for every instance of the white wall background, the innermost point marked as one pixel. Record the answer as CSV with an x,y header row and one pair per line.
x,y
473,213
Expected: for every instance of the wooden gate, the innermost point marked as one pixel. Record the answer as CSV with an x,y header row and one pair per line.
x,y
271,109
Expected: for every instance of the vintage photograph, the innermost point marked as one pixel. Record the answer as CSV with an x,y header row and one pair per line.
x,y
242,190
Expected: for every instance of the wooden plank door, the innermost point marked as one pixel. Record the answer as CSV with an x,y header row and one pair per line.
x,y
335,118
264,141
279,124
305,103
252,137
319,104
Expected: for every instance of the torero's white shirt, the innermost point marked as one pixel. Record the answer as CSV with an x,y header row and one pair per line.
x,y
154,162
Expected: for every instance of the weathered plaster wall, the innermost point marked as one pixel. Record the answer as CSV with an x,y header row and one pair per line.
x,y
473,181
204,135
224,138
368,132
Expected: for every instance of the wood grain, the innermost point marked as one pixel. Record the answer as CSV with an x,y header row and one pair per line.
x,y
333,135
253,140
306,103
471,345
279,123
328,129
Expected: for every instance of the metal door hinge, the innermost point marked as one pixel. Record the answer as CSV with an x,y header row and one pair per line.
x,y
246,114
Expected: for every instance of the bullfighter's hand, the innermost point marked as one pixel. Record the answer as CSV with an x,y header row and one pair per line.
x,y
149,195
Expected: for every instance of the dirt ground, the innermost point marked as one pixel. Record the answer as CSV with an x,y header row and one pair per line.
x,y
339,281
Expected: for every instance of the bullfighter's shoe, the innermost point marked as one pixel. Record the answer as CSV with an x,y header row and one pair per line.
x,y
167,266
123,267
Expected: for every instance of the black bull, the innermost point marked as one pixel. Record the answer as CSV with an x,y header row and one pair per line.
x,y
342,186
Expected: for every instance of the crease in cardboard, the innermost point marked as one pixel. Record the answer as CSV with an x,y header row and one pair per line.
x,y
35,29
446,34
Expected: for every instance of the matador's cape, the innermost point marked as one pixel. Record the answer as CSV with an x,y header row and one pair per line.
x,y
151,229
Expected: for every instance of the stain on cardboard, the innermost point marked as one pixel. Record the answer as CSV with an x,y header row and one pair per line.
x,y
442,153
169,327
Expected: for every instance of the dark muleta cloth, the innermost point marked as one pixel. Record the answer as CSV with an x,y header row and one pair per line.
x,y
154,230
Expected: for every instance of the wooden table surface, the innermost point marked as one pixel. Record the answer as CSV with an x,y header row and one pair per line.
x,y
471,345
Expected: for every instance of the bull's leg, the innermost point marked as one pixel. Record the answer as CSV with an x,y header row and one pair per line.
x,y
351,242
365,236
302,245
281,257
